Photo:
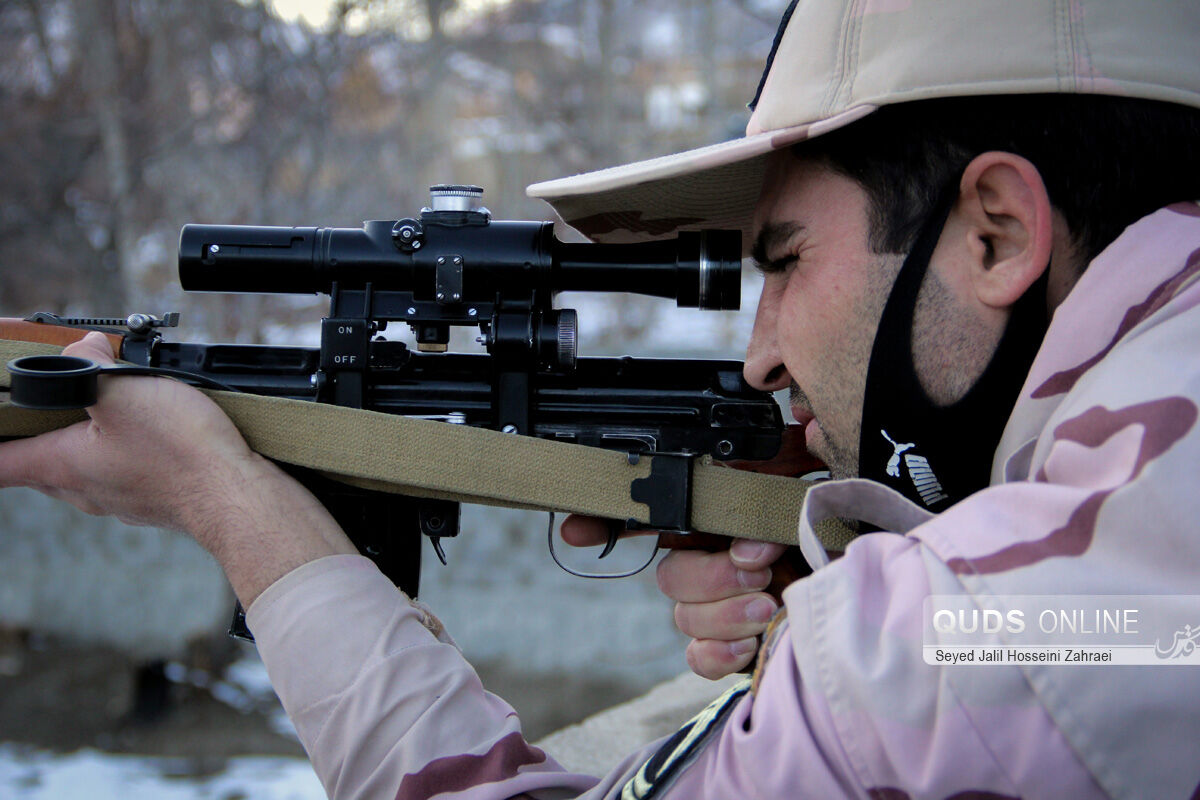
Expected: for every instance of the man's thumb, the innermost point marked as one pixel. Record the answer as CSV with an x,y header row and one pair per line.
x,y
95,347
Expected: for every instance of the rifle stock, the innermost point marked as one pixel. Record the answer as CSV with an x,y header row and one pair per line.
x,y
21,330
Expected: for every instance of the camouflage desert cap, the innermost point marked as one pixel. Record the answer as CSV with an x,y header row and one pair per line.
x,y
835,61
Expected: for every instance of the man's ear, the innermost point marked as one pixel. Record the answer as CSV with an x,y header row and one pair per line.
x,y
1004,211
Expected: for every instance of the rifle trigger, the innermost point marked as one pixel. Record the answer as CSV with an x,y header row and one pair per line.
x,y
437,548
614,533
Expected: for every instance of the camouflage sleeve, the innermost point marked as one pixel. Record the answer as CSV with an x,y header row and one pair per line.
x,y
383,706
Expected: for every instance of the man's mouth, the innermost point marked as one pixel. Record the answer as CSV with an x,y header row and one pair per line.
x,y
801,415
805,418
800,412
811,431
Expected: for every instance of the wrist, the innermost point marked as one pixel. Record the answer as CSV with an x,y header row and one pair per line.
x,y
260,524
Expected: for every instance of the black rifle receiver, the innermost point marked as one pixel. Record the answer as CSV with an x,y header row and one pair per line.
x,y
454,265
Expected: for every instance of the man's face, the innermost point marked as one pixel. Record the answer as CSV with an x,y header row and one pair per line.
x,y
822,299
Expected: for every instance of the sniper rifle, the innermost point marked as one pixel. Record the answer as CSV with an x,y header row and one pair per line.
x,y
454,265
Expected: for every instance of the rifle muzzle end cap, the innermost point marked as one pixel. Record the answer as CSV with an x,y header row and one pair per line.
x,y
53,383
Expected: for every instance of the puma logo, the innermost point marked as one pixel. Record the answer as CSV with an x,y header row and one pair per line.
x,y
919,471
893,465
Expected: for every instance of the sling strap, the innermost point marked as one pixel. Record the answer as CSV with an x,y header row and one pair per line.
x,y
426,458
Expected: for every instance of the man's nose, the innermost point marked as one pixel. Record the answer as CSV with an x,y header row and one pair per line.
x,y
764,367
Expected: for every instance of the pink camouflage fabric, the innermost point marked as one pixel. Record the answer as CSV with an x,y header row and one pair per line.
x,y
1093,492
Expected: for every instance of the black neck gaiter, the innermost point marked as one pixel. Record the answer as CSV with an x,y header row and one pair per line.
x,y
937,455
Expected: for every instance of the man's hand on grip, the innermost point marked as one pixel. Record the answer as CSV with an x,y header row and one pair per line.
x,y
724,598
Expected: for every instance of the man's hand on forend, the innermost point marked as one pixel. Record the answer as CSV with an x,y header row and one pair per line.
x,y
157,452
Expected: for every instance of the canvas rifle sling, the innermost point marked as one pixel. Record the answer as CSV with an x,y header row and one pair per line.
x,y
426,458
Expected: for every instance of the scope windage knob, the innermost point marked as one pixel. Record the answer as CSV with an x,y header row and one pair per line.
x,y
568,338
456,197
408,235
555,339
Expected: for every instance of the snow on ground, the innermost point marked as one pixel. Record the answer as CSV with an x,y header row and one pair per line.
x,y
38,775
246,688
27,773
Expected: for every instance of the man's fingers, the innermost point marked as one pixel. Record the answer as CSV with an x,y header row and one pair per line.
x,y
751,555
728,620
38,461
94,346
45,462
695,576
714,659
580,531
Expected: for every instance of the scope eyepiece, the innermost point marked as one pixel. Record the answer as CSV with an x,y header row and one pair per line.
x,y
710,262
698,269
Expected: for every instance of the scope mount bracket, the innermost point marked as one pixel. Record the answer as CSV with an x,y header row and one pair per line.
x,y
448,281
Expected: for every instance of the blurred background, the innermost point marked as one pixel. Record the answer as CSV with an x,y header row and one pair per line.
x,y
122,120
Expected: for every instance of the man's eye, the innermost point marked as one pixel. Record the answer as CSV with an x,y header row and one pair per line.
x,y
776,266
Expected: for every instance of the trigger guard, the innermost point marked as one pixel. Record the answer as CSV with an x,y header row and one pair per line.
x,y
613,536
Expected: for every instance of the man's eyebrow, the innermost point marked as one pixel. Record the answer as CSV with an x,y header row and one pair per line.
x,y
772,236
